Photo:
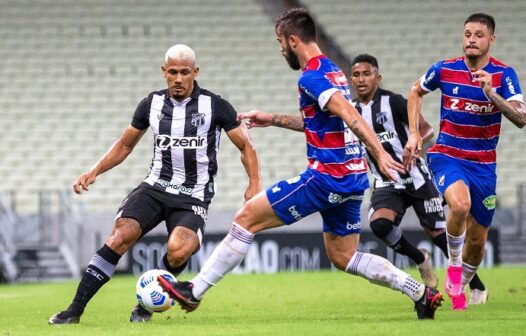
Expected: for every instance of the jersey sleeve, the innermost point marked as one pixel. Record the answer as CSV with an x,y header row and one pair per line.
x,y
510,87
226,115
399,108
314,84
431,80
141,117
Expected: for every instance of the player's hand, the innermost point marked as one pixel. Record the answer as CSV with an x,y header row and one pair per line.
x,y
389,167
252,190
484,80
83,181
412,151
256,118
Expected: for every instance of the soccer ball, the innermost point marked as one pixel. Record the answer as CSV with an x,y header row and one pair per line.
x,y
150,294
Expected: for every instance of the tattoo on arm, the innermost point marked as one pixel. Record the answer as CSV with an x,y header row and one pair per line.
x,y
361,133
516,114
294,123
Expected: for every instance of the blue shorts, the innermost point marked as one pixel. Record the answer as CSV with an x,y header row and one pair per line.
x,y
481,180
298,197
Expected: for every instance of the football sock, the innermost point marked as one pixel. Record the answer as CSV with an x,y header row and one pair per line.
x,y
468,271
391,234
476,283
99,271
455,245
225,257
381,272
441,242
165,265
406,248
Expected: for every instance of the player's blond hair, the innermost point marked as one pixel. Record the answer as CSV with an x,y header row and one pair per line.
x,y
180,52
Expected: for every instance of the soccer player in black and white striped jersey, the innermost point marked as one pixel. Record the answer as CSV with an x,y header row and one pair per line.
x,y
386,114
186,122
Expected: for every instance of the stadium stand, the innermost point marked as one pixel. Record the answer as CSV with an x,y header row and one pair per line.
x,y
407,36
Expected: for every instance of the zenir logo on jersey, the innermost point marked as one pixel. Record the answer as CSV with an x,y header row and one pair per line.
x,y
385,136
164,142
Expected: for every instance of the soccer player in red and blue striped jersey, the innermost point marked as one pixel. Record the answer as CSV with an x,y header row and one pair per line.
x,y
333,184
477,90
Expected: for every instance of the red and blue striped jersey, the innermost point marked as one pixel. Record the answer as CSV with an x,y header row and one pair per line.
x,y
469,121
332,149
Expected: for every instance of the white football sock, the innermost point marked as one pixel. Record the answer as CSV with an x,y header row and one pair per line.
x,y
468,272
225,257
381,272
454,247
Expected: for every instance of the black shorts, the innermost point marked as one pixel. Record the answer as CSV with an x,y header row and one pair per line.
x,y
426,201
149,207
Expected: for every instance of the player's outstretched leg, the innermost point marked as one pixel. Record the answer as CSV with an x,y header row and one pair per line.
x,y
226,256
380,271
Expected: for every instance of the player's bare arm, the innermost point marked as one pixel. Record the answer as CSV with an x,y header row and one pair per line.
x,y
425,129
515,111
339,106
257,118
291,122
413,147
113,157
241,139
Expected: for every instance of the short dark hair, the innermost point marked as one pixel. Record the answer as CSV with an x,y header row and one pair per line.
x,y
486,19
367,59
297,21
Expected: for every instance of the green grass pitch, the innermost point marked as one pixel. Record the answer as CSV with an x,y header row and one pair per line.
x,y
319,303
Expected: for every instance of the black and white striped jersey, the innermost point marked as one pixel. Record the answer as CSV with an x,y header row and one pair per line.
x,y
186,138
386,114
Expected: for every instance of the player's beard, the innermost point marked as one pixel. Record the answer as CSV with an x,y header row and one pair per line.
x,y
292,58
475,57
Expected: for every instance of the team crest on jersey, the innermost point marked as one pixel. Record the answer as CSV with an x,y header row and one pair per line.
x,y
198,119
455,90
381,117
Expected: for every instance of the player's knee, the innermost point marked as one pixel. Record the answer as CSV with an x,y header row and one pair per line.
x,y
339,261
340,257
381,227
460,208
125,233
177,257
244,216
475,244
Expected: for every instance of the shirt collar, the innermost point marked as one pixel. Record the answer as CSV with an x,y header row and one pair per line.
x,y
376,98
